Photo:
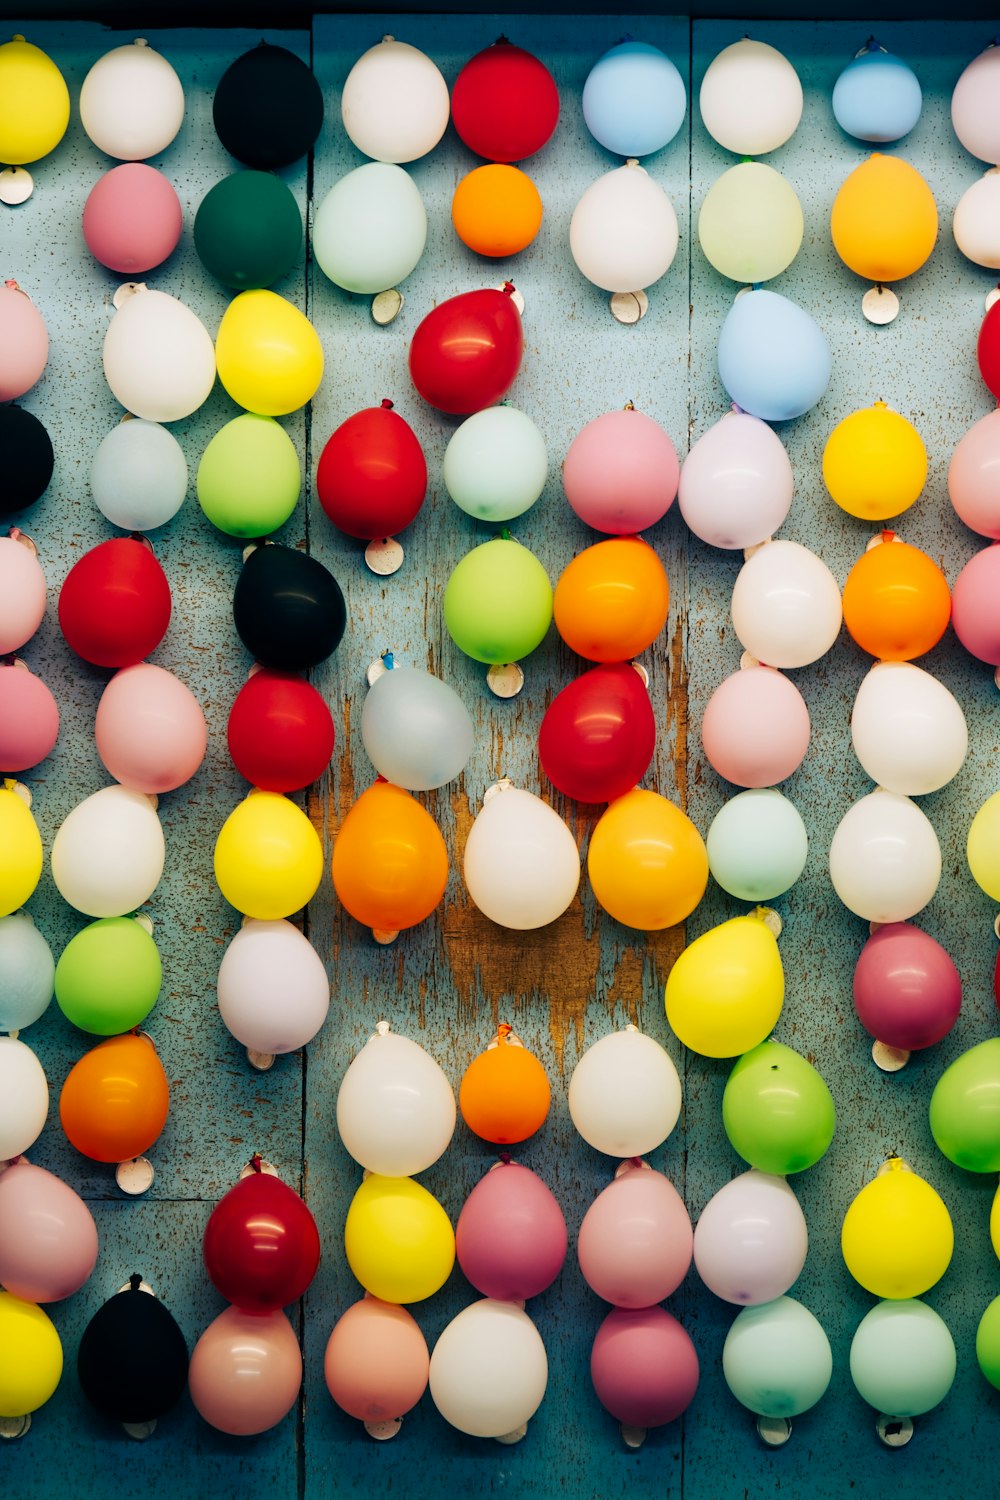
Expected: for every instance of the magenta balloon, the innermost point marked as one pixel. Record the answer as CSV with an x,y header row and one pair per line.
x,y
150,730
907,991
132,218
246,1371
636,1240
644,1366
974,476
621,472
510,1238
755,728
29,719
48,1238
973,605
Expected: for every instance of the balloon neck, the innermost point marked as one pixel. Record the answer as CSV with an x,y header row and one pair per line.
x,y
745,159
508,289
880,405
388,660
387,405
888,536
255,1163
134,1281
501,41
629,406
505,1158
503,1032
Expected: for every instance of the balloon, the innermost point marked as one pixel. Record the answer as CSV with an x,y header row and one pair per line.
x,y
620,472
624,1094
505,104
965,1109
132,219
114,604
249,478
466,352
885,860
874,463
974,476
521,864
22,593
269,354
264,960
268,107
114,1103
611,600
896,601
774,360
751,98
755,728
750,223
34,105
644,1366
261,1244
623,233
902,1358
280,732
376,1362
973,107
647,862
27,974
132,103
634,100
246,1370
288,609
777,1110
29,718
139,476
877,97
495,464
786,605
31,1357
488,1371
498,602
496,210
30,460
108,977
725,991
751,1240
976,221
510,1238
390,865
416,729
988,1343
48,1238
268,857
757,845
398,1240
108,852
24,1098
598,734
158,357
504,1094
897,1237
736,483
635,1241
777,1359
150,729
133,1360
371,228
248,230
372,475
988,352
395,1106
884,220
907,991
394,102
20,851
24,341
908,731
981,846
972,604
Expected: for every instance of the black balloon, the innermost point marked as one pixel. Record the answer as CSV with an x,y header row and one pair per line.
x,y
26,459
288,609
268,107
133,1361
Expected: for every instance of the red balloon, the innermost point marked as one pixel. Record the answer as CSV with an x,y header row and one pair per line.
x,y
280,732
372,475
114,606
988,349
505,104
261,1245
467,351
598,735
907,991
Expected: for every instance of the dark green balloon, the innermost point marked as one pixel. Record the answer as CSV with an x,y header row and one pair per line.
x,y
248,230
777,1110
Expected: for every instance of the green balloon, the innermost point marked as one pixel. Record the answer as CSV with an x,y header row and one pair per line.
x,y
498,602
249,478
776,1359
988,1343
965,1109
108,976
903,1358
777,1110
248,230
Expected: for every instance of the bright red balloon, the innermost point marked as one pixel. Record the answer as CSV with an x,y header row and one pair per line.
x,y
372,475
988,349
261,1245
505,104
467,351
280,732
598,734
114,606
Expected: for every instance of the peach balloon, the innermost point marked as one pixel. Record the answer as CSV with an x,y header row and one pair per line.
x,y
376,1361
22,593
246,1371
24,342
150,730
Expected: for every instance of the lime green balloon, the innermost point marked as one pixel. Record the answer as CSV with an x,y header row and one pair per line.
x,y
777,1110
988,1343
249,478
498,602
965,1109
248,230
108,976
751,224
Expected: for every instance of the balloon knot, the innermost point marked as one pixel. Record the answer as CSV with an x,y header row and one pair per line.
x,y
501,41
888,536
381,780
504,1030
629,406
508,288
738,410
256,1162
505,1157
134,1281
388,660
505,535
635,1161
387,405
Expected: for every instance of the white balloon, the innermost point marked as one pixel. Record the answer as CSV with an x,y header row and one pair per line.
x,y
139,476
132,102
625,1095
370,229
107,855
976,223
521,863
751,1240
159,359
909,732
24,1098
975,106
786,605
273,990
623,233
885,860
395,103
736,483
751,98
395,1107
488,1371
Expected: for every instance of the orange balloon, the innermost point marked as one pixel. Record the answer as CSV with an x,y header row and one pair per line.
x,y
611,601
114,1102
884,220
896,601
496,210
647,862
504,1095
390,865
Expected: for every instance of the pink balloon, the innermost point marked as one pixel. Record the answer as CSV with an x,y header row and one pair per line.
x,y
246,1371
510,1238
48,1238
974,476
755,728
973,605
150,730
907,991
620,474
376,1362
636,1239
29,720
132,218
644,1366
736,483
24,342
22,593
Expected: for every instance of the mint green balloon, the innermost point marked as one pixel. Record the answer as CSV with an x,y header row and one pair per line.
x,y
370,229
495,465
108,976
777,1110
498,602
965,1109
988,1343
757,845
249,477
903,1358
777,1359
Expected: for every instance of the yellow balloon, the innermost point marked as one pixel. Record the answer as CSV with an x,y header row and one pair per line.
x,y
897,1237
399,1240
268,857
884,220
31,1357
750,225
874,463
983,847
20,851
725,992
34,103
647,862
995,1223
268,354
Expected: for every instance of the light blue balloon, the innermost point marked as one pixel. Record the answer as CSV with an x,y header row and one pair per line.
x,y
634,99
757,845
877,97
27,972
903,1358
495,464
774,359
370,229
777,1359
139,475
416,729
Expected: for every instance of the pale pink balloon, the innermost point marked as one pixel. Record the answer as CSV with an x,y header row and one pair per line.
x,y
974,612
24,342
150,730
907,991
22,594
974,476
755,728
246,1371
736,483
510,1239
48,1238
974,113
644,1366
29,719
620,473
636,1240
132,218
376,1363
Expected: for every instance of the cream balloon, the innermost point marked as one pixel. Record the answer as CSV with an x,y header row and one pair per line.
x,y
976,221
908,730
273,989
750,225
736,483
625,1095
159,359
395,1107
132,102
107,855
24,1098
885,860
786,605
623,233
489,1370
395,103
751,1240
521,863
975,106
751,98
